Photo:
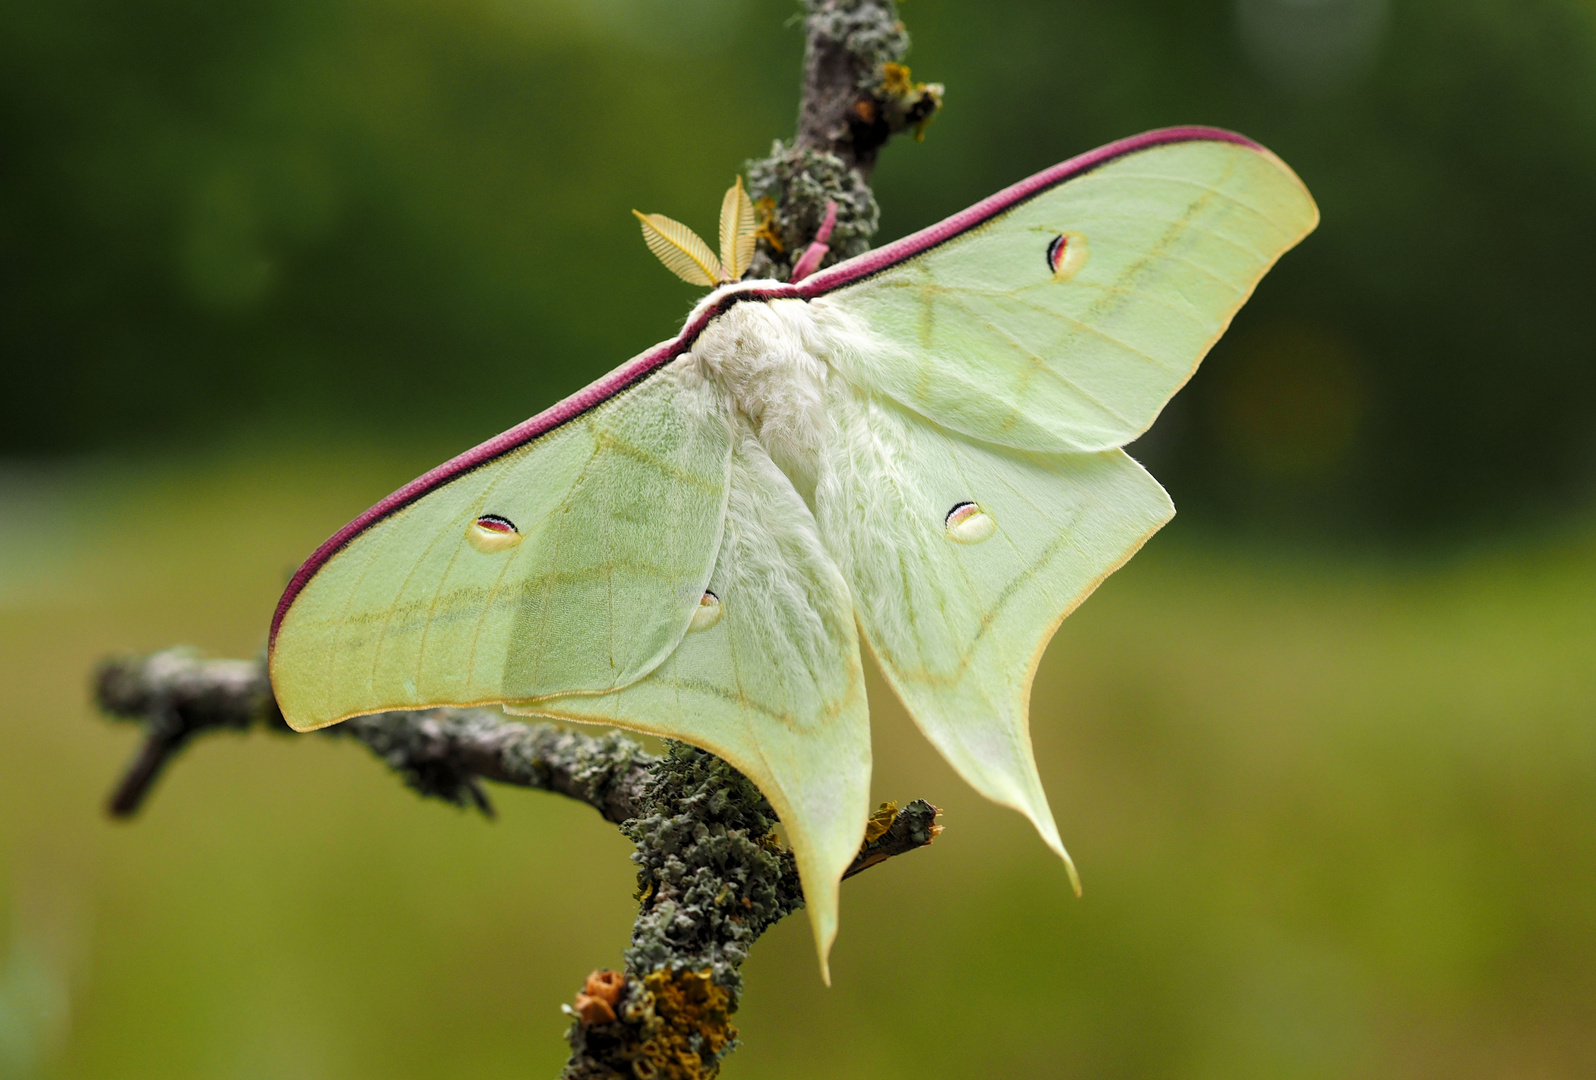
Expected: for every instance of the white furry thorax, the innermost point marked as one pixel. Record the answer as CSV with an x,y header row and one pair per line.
x,y
770,359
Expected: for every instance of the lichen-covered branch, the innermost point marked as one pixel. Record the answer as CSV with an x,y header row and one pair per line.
x,y
712,877
857,94
440,753
893,832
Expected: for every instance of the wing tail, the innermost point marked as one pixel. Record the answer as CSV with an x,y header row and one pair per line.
x,y
963,558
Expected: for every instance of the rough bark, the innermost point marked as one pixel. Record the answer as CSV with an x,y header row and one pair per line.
x,y
439,753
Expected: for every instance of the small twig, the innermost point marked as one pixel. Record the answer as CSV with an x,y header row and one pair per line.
x,y
174,696
157,749
440,753
914,826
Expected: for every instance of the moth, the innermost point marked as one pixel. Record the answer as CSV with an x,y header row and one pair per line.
x,y
919,448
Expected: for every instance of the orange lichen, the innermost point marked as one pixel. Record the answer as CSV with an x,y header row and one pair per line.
x,y
765,216
694,1027
593,1011
595,1004
606,985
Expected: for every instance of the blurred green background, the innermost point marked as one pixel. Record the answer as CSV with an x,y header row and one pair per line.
x,y
1325,751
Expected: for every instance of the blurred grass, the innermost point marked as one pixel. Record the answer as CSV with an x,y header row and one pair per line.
x,y
1336,818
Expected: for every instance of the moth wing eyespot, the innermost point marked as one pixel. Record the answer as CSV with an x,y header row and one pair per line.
x,y
493,532
960,511
496,523
1066,254
706,614
968,523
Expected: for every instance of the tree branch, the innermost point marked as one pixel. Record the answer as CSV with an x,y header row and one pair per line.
x,y
439,753
857,94
712,876
856,91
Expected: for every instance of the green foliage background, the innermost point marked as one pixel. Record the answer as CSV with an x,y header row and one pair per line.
x,y
407,218
1325,751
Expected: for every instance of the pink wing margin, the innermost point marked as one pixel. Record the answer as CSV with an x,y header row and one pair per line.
x,y
828,280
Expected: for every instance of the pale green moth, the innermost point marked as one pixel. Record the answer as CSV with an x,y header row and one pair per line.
x,y
918,447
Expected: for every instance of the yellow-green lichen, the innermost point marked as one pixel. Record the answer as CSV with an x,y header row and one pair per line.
x,y
694,1027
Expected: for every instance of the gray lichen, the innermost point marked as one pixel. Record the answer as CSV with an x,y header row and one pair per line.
x,y
712,878
711,874
857,95
794,184
869,31
849,45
